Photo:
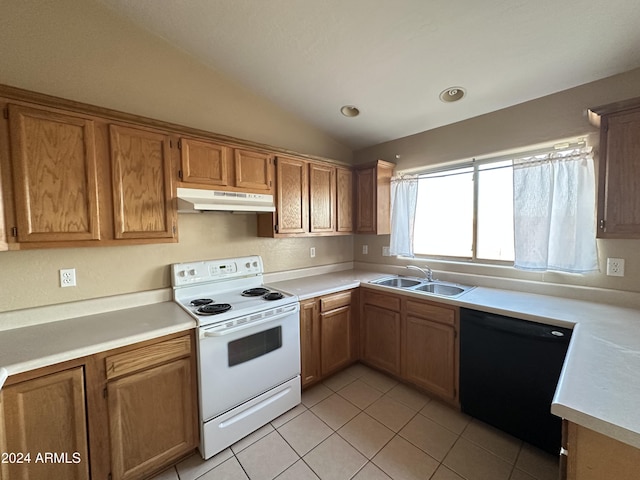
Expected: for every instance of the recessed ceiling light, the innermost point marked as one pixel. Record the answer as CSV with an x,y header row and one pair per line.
x,y
452,94
350,111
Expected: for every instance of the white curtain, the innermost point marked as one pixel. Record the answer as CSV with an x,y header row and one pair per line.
x,y
554,212
404,196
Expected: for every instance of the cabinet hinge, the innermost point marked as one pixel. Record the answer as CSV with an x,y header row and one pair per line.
x,y
180,174
5,113
602,224
275,161
270,183
109,477
14,231
276,228
173,229
179,144
105,394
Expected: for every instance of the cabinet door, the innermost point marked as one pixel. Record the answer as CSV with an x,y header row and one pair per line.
x,y
366,200
54,176
381,338
204,162
309,342
45,416
141,167
322,189
618,199
253,170
151,419
293,195
429,356
344,202
335,339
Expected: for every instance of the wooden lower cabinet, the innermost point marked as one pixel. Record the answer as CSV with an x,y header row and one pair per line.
x,y
414,340
327,329
150,419
309,342
429,348
381,338
122,414
43,417
594,456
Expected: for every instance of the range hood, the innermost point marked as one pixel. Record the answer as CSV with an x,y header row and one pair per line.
x,y
195,200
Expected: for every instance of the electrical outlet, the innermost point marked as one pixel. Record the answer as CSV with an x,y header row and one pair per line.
x,y
312,252
615,267
385,252
68,277
365,249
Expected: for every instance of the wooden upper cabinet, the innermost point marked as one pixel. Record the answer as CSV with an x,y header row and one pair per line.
x,y
322,188
618,172
292,192
204,162
373,198
253,170
142,189
46,414
344,200
53,156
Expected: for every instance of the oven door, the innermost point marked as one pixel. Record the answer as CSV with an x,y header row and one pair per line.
x,y
241,362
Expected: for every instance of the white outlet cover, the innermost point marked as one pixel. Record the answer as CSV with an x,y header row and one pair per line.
x,y
385,252
615,267
68,277
365,249
312,252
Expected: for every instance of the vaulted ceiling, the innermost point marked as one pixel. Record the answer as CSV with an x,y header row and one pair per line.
x,y
392,59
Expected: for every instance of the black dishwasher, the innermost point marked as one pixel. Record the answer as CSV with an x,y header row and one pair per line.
x,y
509,369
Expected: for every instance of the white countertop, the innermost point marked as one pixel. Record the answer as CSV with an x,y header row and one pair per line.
x,y
27,348
599,387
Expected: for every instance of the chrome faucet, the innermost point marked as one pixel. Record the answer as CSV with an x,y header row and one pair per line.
x,y
426,271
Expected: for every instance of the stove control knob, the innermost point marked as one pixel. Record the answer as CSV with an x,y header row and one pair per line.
x,y
248,265
182,273
255,264
192,271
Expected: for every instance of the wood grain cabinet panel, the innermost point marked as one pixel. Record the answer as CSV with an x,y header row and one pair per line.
x,y
335,339
46,414
204,162
594,456
373,198
54,175
381,338
322,181
151,419
309,342
292,187
142,188
619,174
430,356
344,200
253,170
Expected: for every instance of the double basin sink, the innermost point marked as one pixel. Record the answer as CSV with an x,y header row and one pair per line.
x,y
433,287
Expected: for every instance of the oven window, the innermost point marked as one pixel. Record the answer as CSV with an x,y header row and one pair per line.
x,y
254,346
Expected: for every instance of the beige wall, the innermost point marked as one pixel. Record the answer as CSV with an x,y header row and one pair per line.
x,y
543,120
82,51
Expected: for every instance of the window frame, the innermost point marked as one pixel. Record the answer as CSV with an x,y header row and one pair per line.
x,y
475,164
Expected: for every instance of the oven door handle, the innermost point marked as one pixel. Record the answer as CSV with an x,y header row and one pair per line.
x,y
219,332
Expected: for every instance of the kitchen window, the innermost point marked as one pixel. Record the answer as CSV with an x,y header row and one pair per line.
x,y
456,203
472,212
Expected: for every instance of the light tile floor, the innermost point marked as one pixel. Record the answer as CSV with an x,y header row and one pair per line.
x,y
360,424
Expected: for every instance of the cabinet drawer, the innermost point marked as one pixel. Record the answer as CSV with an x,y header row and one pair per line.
x,y
129,362
431,311
382,300
332,302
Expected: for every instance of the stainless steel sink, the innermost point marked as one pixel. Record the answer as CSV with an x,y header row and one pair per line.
x,y
434,287
398,282
440,289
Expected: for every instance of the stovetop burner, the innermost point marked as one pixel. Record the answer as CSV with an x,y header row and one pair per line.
x,y
213,309
255,292
273,296
198,302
